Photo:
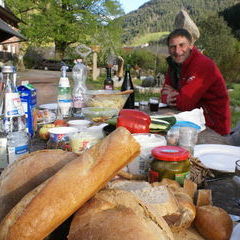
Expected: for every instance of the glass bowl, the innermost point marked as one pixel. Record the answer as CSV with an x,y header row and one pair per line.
x,y
99,114
114,99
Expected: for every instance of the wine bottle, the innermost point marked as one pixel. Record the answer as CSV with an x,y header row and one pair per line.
x,y
127,85
108,82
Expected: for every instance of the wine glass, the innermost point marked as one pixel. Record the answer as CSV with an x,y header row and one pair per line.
x,y
236,180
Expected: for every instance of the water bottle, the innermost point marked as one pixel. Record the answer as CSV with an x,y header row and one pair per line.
x,y
13,120
64,96
79,74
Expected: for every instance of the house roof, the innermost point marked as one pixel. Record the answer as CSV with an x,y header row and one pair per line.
x,y
7,32
8,16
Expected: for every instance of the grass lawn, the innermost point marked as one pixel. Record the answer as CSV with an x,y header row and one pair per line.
x,y
146,38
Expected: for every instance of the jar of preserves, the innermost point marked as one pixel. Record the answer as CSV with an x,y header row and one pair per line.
x,y
169,162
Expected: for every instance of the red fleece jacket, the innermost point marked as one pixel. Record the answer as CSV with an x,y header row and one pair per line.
x,y
202,85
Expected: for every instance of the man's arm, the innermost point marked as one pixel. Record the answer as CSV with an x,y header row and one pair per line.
x,y
168,93
197,85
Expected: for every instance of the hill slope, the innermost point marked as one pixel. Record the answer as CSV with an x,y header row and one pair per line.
x,y
159,15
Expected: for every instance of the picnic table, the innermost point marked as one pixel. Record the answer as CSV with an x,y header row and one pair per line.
x,y
222,186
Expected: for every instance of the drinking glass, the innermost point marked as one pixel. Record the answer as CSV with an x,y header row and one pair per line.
x,y
143,105
153,104
236,180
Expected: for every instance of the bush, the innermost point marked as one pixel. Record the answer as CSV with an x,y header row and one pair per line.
x,y
219,44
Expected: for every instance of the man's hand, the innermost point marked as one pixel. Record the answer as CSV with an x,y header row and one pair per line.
x,y
171,95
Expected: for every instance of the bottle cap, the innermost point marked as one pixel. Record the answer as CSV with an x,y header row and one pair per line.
x,y
64,82
24,83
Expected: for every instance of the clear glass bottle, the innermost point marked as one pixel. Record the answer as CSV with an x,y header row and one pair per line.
x,y
108,82
64,99
79,74
13,117
128,85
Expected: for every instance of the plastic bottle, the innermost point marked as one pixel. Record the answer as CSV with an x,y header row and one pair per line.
x,y
108,82
13,117
79,74
64,96
127,85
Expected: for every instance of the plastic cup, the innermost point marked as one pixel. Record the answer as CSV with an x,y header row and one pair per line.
x,y
143,105
188,137
236,181
153,104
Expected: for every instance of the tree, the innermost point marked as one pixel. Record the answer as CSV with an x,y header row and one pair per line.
x,y
219,44
232,17
63,22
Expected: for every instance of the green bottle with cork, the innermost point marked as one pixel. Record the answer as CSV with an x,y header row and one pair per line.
x,y
128,85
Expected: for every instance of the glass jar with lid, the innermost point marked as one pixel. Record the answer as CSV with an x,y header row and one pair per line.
x,y
169,162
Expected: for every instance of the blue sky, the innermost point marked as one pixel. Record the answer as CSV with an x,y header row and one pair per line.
x,y
130,5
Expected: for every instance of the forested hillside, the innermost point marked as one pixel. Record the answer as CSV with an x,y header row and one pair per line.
x,y
159,15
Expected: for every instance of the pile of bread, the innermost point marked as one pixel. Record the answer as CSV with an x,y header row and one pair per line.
x,y
39,192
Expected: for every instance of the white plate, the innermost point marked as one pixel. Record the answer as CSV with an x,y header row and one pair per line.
x,y
236,232
136,104
218,157
161,105
50,106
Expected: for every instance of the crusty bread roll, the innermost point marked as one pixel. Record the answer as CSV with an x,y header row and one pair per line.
x,y
159,197
186,213
190,188
46,207
213,223
28,172
116,214
174,185
188,234
204,197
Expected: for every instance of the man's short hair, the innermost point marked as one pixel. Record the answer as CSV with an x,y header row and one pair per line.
x,y
179,32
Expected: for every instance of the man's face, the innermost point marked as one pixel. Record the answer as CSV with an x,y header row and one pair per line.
x,y
179,48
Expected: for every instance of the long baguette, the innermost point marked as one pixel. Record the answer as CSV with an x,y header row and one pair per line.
x,y
69,188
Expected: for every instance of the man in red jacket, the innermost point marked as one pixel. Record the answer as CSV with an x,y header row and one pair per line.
x,y
194,81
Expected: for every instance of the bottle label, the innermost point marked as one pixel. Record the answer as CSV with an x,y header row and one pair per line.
x,y
3,152
65,100
13,105
181,176
78,102
15,152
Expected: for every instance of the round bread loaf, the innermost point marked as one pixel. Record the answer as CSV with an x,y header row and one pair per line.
x,y
117,214
213,223
28,172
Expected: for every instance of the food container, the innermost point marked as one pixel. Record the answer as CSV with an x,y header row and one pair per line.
x,y
79,124
83,140
147,141
169,162
59,137
97,131
106,98
99,114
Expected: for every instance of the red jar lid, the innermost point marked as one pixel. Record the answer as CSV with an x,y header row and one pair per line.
x,y
170,153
